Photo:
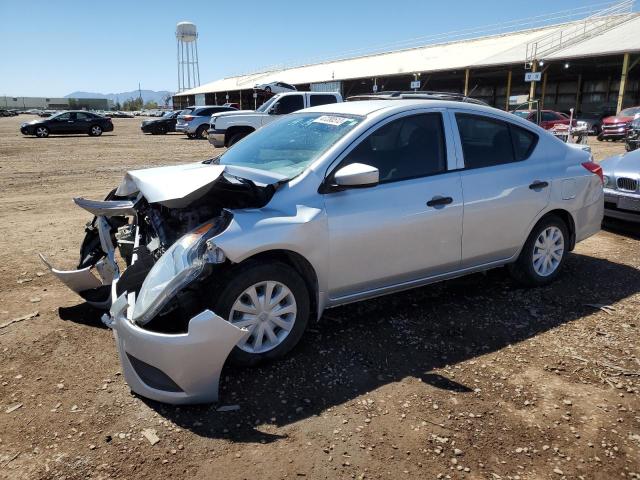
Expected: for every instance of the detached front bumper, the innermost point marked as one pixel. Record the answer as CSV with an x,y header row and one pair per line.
x,y
174,368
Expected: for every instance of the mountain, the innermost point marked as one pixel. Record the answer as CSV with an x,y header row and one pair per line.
x,y
147,95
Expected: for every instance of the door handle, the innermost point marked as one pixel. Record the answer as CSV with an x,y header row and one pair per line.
x,y
538,184
437,201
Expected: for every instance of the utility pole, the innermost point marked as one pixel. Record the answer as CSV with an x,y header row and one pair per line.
x,y
140,95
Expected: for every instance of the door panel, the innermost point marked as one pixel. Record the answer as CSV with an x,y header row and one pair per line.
x,y
499,204
387,234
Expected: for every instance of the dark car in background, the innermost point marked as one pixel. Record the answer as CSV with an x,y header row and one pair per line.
x,y
195,122
632,142
69,122
615,127
548,118
593,121
162,125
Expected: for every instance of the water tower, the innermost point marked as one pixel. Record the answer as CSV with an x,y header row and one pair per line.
x,y
188,70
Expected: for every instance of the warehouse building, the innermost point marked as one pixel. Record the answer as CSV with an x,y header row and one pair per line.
x,y
590,65
44,103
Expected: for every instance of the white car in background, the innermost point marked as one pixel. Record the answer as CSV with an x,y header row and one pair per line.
x,y
275,87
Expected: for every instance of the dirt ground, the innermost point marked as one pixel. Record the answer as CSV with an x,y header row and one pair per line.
x,y
474,378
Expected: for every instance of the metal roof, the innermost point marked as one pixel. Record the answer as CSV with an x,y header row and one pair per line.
x,y
480,52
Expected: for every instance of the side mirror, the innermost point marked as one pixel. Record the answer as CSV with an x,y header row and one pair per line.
x,y
356,175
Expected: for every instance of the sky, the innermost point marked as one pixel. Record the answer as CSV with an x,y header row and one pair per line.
x,y
54,47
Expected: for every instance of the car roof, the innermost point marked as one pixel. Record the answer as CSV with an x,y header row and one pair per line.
x,y
368,107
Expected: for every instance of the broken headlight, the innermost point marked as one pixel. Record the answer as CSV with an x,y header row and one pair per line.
x,y
181,264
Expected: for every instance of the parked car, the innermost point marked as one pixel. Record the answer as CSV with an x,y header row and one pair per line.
x,y
162,125
632,141
8,113
548,118
69,122
342,202
195,122
226,129
622,186
615,127
593,121
275,87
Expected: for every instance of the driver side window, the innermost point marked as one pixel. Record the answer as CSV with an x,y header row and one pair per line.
x,y
406,148
63,117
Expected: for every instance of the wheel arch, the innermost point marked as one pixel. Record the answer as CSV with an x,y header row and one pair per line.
x,y
300,264
231,131
568,220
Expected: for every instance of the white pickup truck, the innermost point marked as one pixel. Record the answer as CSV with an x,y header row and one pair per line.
x,y
226,128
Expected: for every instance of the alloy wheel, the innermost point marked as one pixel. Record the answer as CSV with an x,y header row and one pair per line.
x,y
548,251
96,130
42,132
268,310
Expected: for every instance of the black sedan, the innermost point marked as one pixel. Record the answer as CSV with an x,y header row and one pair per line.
x,y
162,125
69,122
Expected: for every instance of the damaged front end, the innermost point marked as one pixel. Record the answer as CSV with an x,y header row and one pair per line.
x,y
149,255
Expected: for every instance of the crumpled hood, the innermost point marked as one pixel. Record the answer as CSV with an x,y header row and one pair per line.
x,y
175,186
178,186
616,119
627,164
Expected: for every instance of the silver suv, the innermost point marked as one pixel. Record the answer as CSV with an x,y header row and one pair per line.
x,y
330,205
194,121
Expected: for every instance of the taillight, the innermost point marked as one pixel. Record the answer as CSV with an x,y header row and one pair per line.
x,y
187,118
594,168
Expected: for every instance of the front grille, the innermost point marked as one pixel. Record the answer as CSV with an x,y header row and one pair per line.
x,y
628,184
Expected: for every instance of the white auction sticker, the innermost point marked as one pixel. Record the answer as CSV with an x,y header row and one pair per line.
x,y
331,120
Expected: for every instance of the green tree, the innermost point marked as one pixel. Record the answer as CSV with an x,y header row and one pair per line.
x,y
151,105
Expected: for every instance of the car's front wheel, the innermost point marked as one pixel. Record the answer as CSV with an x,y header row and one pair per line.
x,y
271,301
42,132
543,254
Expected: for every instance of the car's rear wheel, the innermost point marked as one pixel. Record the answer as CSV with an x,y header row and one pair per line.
x,y
201,132
95,130
42,132
268,299
543,254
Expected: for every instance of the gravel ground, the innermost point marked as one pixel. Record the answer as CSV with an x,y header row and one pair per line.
x,y
474,378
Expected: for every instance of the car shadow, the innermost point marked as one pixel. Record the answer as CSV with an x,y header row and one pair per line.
x,y
79,135
84,314
621,227
360,347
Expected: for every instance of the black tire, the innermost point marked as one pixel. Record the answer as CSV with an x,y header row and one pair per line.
x,y
41,132
201,132
236,138
523,270
191,135
230,287
95,130
600,137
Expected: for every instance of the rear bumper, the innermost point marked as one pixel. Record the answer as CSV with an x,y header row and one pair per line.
x,y
216,137
185,128
612,207
174,368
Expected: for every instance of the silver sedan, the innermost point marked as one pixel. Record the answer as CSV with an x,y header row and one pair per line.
x,y
622,186
236,255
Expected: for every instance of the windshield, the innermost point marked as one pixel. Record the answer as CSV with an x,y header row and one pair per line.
x,y
630,112
266,105
168,114
521,113
290,144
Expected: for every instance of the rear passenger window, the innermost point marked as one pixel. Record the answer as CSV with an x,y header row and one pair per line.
x,y
485,141
524,142
321,100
